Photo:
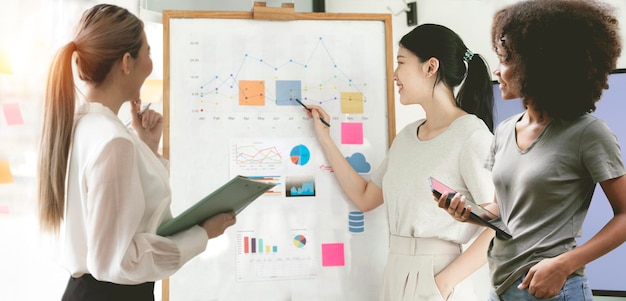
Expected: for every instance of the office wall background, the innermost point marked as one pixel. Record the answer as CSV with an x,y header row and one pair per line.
x,y
47,24
471,19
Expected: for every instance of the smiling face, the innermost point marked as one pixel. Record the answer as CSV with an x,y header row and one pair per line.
x,y
509,83
410,77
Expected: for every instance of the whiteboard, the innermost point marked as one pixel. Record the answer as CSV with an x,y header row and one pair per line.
x,y
229,85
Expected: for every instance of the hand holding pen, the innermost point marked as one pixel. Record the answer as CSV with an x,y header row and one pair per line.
x,y
311,113
147,123
143,110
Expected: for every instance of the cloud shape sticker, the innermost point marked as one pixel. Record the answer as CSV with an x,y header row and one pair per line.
x,y
358,162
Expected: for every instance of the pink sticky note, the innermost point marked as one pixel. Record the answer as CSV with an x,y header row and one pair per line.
x,y
332,255
4,209
12,114
351,133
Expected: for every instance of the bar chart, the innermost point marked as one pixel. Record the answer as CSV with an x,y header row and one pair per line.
x,y
275,257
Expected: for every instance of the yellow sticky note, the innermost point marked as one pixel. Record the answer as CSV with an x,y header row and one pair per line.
x,y
5,64
5,173
351,102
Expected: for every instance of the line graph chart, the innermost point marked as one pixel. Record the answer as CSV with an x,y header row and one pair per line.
x,y
230,83
258,70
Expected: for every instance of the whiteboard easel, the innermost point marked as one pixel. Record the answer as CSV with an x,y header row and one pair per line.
x,y
229,80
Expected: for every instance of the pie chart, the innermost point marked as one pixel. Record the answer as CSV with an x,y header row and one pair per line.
x,y
299,241
300,155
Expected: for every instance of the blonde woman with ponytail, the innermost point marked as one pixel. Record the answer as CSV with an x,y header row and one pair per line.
x,y
103,187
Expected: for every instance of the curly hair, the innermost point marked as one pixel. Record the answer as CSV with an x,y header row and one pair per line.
x,y
562,52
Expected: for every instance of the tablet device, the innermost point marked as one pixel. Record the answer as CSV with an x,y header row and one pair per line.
x,y
478,213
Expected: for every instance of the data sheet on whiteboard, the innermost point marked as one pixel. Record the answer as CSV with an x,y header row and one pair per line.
x,y
233,112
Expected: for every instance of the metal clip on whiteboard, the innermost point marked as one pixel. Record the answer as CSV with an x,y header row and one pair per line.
x,y
284,13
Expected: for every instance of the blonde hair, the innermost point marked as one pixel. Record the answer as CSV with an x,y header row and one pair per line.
x,y
105,33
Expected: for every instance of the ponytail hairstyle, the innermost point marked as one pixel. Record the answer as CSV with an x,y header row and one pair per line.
x,y
457,64
105,33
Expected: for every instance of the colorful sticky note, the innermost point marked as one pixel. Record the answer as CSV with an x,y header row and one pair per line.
x,y
4,209
287,91
5,173
251,93
333,255
351,102
12,113
5,64
351,133
152,90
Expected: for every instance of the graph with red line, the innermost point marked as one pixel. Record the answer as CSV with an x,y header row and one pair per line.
x,y
254,154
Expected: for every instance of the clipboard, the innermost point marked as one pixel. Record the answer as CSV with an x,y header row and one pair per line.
x,y
478,213
235,196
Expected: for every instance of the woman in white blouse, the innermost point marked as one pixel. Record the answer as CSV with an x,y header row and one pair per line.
x,y
425,262
102,186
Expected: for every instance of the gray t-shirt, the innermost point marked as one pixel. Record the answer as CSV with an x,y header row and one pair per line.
x,y
544,191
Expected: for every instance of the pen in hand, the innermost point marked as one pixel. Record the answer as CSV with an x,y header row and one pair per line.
x,y
321,119
143,110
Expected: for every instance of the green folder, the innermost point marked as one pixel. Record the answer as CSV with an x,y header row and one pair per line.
x,y
235,195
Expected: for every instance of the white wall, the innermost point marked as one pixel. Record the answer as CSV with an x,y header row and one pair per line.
x,y
471,19
230,5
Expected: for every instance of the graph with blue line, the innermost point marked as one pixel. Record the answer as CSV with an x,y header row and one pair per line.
x,y
252,71
279,82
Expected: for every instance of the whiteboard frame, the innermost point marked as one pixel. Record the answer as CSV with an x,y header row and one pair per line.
x,y
178,14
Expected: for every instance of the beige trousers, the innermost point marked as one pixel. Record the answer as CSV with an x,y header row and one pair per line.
x,y
412,264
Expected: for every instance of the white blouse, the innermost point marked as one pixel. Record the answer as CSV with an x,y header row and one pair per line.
x,y
456,157
118,193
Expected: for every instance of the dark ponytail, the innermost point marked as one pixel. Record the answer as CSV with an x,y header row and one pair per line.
x,y
476,94
457,64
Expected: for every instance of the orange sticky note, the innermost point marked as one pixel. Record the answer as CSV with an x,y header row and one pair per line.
x,y
251,93
5,173
152,90
12,113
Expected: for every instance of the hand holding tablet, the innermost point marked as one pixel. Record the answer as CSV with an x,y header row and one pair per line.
x,y
477,212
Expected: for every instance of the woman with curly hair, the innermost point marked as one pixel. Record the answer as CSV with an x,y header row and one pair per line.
x,y
546,161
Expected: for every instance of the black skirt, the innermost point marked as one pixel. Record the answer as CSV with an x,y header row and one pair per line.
x,y
87,288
